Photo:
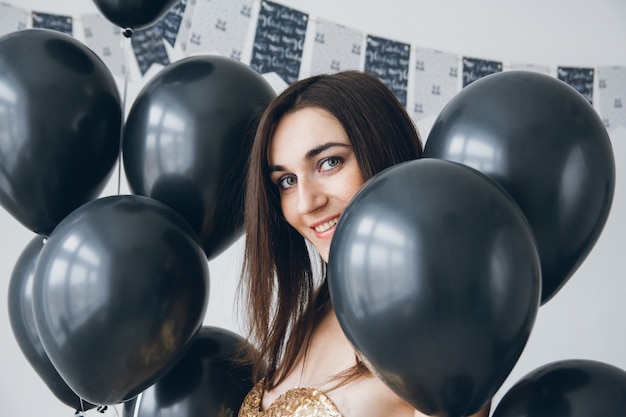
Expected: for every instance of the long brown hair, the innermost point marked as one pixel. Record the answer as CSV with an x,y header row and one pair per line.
x,y
279,287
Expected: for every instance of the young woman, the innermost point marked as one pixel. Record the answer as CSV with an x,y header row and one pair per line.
x,y
316,144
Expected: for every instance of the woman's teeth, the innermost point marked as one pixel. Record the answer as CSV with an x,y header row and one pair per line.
x,y
324,227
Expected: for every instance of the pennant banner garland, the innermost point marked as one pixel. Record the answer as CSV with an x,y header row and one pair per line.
x,y
276,39
612,95
436,81
474,68
389,61
279,41
336,48
54,22
12,19
579,78
169,25
104,39
149,48
220,27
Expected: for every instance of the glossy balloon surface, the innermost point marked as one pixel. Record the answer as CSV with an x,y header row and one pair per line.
x,y
546,145
59,129
187,140
134,14
22,320
208,380
121,287
567,388
435,279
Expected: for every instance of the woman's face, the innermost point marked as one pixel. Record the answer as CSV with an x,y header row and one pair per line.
x,y
314,167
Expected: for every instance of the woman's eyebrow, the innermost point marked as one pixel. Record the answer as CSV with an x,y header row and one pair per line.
x,y
321,148
312,153
275,168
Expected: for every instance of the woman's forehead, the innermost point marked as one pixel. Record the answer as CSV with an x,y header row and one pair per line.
x,y
303,130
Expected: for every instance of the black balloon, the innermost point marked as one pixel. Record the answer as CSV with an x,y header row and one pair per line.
x,y
120,290
210,380
187,140
546,145
134,14
22,320
435,279
567,388
61,126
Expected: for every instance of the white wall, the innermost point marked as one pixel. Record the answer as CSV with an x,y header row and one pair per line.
x,y
587,317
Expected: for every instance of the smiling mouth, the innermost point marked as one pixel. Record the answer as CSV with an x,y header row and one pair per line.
x,y
326,226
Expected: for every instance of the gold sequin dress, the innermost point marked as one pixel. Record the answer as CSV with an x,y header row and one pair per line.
x,y
296,402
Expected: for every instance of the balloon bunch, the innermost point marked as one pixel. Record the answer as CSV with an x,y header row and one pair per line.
x,y
110,295
438,266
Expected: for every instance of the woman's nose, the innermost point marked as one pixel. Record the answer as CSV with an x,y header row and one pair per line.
x,y
311,196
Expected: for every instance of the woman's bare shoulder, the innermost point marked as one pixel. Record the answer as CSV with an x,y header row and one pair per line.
x,y
370,397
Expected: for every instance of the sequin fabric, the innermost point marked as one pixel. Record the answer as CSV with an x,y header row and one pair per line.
x,y
297,402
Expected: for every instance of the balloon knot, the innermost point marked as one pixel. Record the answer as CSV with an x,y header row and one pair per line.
x,y
128,32
102,408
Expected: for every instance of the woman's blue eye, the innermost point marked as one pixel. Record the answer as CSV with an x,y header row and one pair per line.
x,y
287,182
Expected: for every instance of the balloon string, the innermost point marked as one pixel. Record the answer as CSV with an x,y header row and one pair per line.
x,y
81,412
127,33
137,405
